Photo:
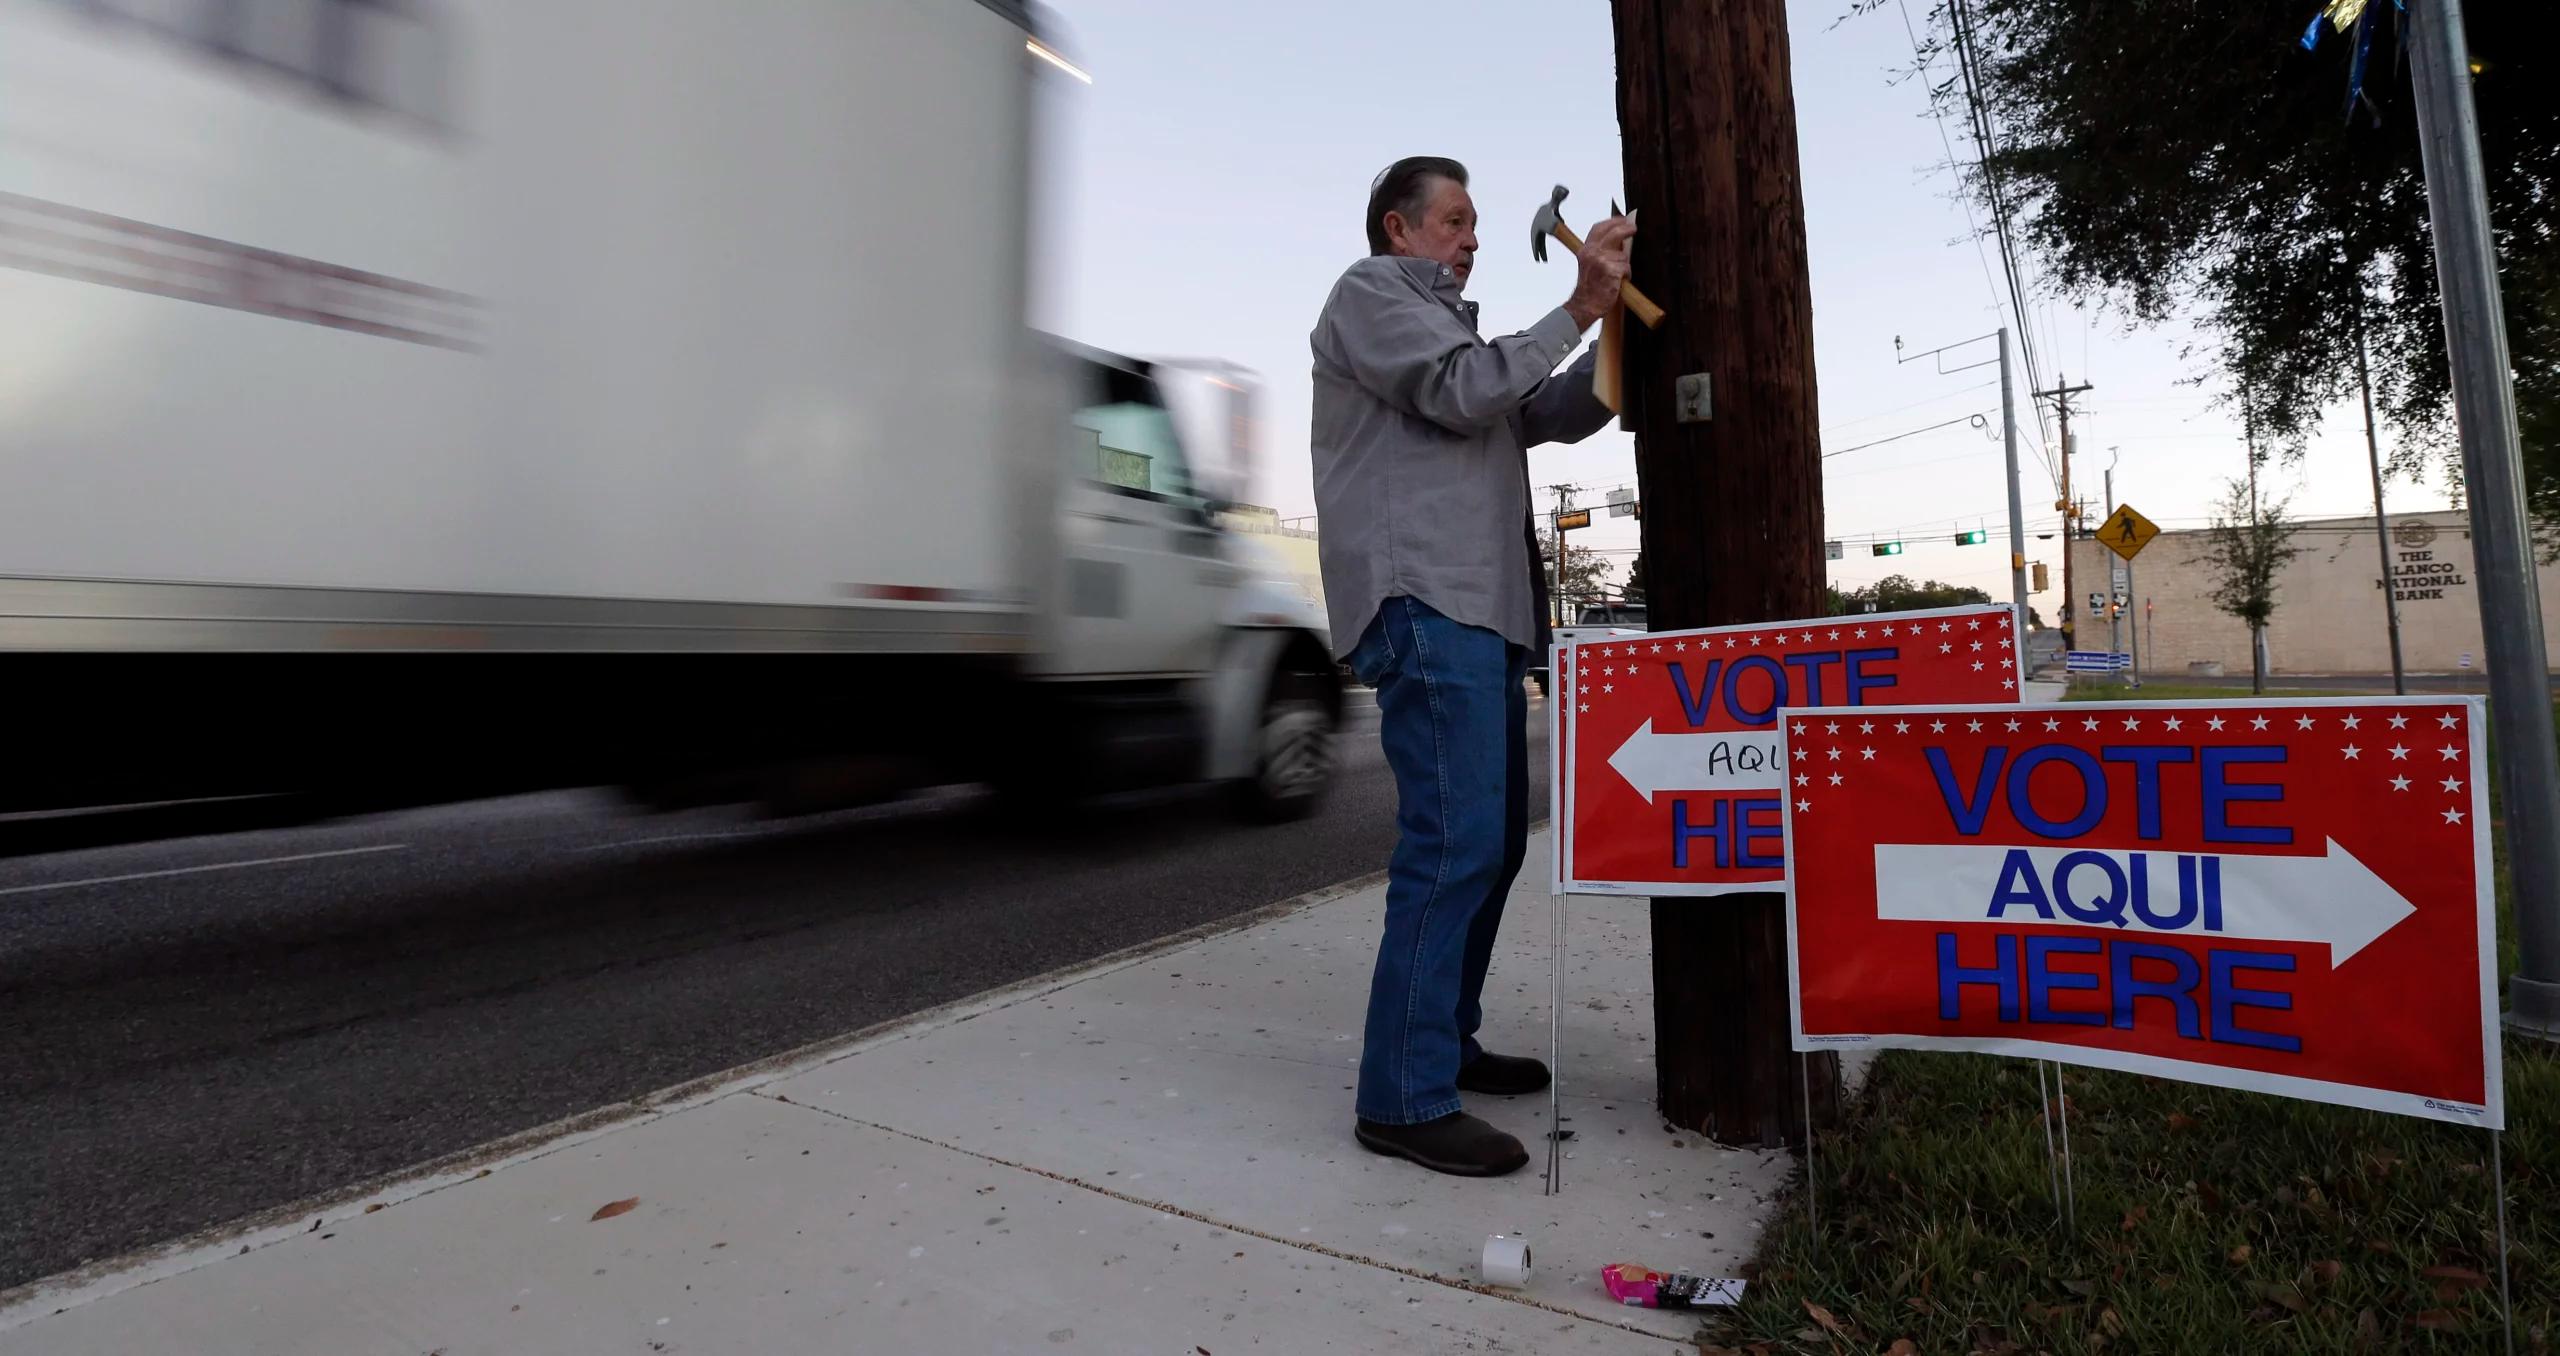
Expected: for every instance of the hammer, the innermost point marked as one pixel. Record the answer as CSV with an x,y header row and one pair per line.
x,y
1551,222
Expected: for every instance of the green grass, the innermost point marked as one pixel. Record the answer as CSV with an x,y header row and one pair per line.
x,y
2208,1221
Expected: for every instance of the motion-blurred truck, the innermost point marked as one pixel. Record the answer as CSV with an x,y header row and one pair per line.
x,y
405,400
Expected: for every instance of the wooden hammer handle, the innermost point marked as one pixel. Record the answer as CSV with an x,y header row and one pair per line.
x,y
1636,301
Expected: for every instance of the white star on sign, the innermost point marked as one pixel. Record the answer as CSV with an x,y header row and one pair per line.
x,y
1946,647
1657,649
2453,816
1974,726
2351,721
1803,806
1605,651
1808,637
1835,635
1860,633
1835,755
1888,630
2399,722
2214,724
1835,779
1973,623
2398,752
2450,752
2052,724
1944,627
2352,751
1977,645
1977,666
2090,723
2172,723
1868,754
1682,645
2008,682
1866,727
1586,708
2004,642
1803,780
1608,687
1728,642
2452,783
2302,722
2446,720
2257,722
1937,727
1799,727
2399,783
2013,726
1831,727
2133,722
1902,727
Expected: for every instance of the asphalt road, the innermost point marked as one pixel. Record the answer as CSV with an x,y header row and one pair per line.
x,y
196,1030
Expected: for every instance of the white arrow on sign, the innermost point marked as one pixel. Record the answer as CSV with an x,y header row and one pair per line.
x,y
2332,899
1721,760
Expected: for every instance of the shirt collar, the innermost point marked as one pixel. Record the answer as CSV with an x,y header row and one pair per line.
x,y
1440,281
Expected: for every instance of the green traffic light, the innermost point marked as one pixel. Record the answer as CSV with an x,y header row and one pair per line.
x,y
1888,548
1973,538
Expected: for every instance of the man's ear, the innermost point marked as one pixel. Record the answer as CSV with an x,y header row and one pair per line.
x,y
1396,228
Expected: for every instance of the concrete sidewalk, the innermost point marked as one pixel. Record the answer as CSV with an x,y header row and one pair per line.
x,y
1149,1155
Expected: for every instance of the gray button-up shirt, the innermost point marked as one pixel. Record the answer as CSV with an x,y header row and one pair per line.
x,y
1420,438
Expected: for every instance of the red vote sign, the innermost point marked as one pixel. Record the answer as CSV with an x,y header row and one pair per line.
x,y
2290,896
1669,770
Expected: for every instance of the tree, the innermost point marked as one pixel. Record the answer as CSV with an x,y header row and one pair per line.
x,y
2249,544
2189,156
1634,589
1897,593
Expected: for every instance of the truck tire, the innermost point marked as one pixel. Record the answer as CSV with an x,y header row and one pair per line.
x,y
1293,753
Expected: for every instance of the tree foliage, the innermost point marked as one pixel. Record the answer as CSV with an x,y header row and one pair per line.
x,y
2190,157
2249,544
1901,593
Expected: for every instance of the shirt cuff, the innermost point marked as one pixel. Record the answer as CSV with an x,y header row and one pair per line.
x,y
1559,332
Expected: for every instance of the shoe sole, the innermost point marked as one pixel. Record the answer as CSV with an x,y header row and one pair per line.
x,y
1393,1150
1502,1092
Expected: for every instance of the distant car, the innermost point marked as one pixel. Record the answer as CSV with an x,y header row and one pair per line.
x,y
1616,616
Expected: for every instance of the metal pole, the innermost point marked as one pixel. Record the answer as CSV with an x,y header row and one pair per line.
x,y
2115,613
2052,1166
2493,469
2381,520
2132,625
2017,509
2506,1296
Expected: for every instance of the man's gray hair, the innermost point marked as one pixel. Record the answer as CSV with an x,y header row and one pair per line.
x,y
1404,188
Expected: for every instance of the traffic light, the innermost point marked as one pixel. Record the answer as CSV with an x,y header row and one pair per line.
x,y
1888,548
1974,538
2043,580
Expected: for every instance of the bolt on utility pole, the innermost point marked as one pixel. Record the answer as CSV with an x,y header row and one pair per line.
x,y
2484,407
1733,528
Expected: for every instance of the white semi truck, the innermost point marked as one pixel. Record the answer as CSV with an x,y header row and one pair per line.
x,y
403,400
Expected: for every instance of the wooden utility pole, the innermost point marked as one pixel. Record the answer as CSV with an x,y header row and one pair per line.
x,y
2069,617
1733,527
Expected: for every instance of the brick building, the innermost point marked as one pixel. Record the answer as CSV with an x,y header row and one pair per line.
x,y
2329,615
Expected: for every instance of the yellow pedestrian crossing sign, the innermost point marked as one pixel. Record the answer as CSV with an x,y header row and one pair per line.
x,y
2127,532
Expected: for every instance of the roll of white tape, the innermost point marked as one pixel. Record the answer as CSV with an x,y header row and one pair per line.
x,y
1506,1260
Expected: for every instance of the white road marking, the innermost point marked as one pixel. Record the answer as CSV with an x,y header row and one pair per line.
x,y
671,838
210,866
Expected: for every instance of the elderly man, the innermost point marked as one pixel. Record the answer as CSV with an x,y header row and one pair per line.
x,y
1432,576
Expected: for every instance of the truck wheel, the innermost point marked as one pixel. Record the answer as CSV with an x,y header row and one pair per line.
x,y
1293,762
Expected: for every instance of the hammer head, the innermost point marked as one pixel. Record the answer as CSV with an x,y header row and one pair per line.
x,y
1544,224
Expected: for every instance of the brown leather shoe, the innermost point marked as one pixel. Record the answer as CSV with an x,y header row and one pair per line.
x,y
1457,1144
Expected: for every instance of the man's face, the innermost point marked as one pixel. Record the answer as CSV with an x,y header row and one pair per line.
x,y
1446,232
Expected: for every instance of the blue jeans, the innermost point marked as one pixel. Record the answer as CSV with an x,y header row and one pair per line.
x,y
1453,716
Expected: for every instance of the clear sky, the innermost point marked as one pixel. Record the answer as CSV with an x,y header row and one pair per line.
x,y
1201,196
